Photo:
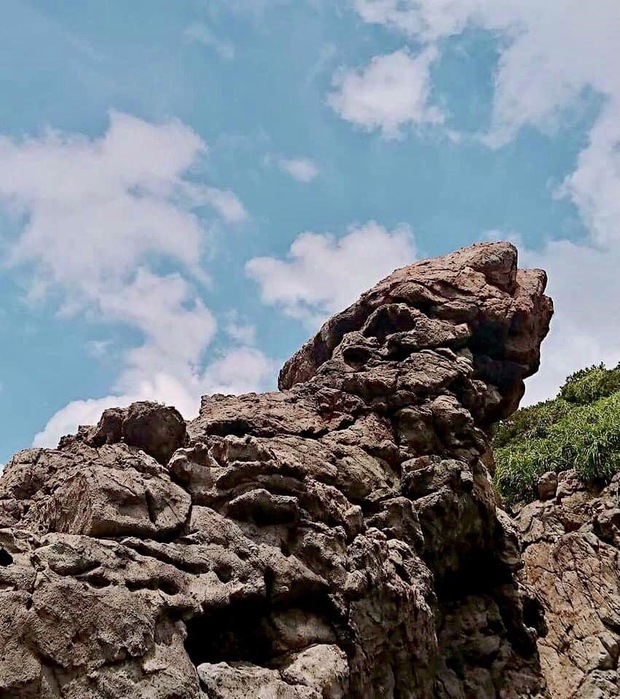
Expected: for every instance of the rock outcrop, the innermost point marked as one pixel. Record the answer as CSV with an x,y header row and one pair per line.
x,y
338,538
571,542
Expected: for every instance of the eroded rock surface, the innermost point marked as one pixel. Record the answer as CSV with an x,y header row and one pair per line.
x,y
571,542
338,538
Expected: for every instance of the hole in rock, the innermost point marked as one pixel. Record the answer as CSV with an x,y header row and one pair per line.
x,y
534,615
5,557
97,580
356,356
390,319
246,631
224,571
480,574
489,339
169,587
235,427
238,632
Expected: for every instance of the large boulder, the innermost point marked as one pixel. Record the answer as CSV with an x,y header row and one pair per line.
x,y
338,538
158,430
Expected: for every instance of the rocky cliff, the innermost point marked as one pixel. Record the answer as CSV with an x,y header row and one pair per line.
x,y
338,538
571,542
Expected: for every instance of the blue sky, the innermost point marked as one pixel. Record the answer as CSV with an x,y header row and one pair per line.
x,y
188,188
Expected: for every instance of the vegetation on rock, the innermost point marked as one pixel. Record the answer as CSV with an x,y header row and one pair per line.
x,y
579,429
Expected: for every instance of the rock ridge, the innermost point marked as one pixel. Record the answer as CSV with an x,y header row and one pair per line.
x,y
337,538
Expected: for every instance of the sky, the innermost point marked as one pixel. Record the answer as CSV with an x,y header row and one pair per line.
x,y
188,189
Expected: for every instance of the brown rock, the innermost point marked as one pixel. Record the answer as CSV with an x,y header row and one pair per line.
x,y
572,564
547,485
338,538
109,429
157,429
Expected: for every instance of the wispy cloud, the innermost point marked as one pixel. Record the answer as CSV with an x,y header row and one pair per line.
x,y
202,34
102,224
322,274
301,169
239,330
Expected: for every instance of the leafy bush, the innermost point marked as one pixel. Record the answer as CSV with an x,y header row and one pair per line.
x,y
530,423
580,429
586,385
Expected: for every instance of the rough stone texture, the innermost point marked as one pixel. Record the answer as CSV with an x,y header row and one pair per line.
x,y
156,429
339,538
571,544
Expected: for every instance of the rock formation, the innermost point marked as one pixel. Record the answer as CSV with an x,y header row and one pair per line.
x,y
336,539
571,541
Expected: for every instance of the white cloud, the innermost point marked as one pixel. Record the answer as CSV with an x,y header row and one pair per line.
x,y
239,370
301,169
549,51
388,94
94,213
98,220
202,34
225,202
240,331
585,287
550,54
322,274
594,186
174,321
93,210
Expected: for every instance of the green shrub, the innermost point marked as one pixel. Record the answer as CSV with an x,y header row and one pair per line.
x,y
530,423
587,385
580,429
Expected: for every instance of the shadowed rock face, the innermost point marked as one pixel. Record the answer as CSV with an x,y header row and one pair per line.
x,y
339,538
